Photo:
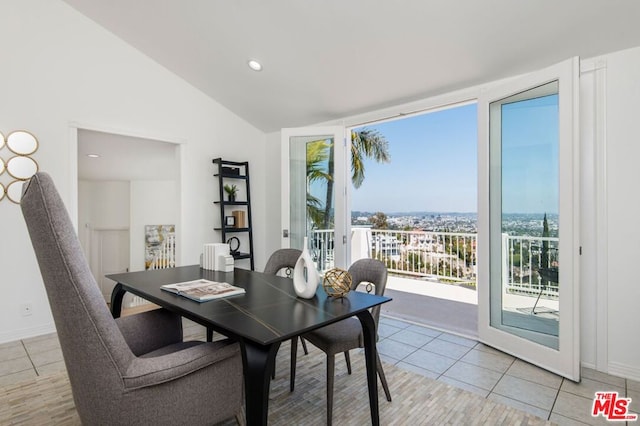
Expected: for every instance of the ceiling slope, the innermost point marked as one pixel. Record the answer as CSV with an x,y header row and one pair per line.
x,y
330,59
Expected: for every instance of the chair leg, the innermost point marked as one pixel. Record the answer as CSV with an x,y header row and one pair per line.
x,y
331,367
304,346
347,358
209,334
294,355
383,379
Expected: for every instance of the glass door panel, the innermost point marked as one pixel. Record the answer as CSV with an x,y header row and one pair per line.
x,y
528,248
524,214
310,197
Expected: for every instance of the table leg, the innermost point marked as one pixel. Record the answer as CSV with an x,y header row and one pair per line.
x,y
258,363
369,334
116,300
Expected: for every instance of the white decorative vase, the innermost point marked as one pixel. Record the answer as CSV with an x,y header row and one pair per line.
x,y
305,275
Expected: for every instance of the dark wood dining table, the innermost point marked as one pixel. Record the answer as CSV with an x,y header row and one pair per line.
x,y
268,314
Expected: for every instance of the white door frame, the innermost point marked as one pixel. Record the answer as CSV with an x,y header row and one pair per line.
x,y
74,126
566,360
342,224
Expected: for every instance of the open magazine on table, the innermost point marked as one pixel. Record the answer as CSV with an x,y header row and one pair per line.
x,y
202,290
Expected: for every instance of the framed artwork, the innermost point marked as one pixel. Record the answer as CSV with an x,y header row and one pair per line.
x,y
159,246
229,221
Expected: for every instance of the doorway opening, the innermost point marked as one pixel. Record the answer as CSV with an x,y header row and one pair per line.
x,y
125,184
416,210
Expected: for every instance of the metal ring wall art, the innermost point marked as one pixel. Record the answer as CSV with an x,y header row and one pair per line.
x,y
16,161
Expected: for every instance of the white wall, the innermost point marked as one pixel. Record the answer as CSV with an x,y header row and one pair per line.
x,y
107,203
58,68
622,151
273,215
102,204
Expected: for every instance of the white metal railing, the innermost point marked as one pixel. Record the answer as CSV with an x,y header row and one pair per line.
x,y
321,246
446,256
522,256
441,256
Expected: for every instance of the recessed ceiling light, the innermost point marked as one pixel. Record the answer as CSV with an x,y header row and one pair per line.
x,y
93,155
255,65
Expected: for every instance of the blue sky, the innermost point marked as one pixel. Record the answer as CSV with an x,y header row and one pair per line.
x,y
433,165
434,161
530,156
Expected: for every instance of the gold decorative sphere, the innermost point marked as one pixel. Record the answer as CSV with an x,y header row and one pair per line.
x,y
337,282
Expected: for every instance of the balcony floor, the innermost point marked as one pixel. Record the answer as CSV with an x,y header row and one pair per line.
x,y
441,306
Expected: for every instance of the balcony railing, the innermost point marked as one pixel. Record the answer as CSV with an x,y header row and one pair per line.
x,y
446,256
437,256
321,245
522,257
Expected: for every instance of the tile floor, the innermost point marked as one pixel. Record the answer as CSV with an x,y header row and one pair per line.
x,y
458,361
478,368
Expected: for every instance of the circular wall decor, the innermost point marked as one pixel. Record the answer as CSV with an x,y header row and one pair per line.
x,y
22,168
14,191
22,142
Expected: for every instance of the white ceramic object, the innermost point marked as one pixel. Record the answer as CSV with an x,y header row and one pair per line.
x,y
305,275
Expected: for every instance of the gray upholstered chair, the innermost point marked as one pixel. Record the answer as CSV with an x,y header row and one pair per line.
x,y
345,335
135,370
281,259
285,258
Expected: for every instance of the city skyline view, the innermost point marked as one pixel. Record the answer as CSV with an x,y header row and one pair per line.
x,y
530,224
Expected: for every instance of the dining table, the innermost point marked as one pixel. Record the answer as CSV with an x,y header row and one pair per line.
x,y
267,314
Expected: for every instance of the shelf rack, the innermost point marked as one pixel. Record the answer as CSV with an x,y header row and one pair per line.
x,y
235,173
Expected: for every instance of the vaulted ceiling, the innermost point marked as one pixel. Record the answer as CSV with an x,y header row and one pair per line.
x,y
327,59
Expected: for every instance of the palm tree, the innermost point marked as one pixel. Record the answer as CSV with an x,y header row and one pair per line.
x,y
365,143
317,154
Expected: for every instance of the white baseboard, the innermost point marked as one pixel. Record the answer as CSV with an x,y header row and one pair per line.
x,y
25,333
622,370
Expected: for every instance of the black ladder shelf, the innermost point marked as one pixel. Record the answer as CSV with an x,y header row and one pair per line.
x,y
235,173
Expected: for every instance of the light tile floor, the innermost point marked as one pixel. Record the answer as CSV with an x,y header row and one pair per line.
x,y
455,360
478,368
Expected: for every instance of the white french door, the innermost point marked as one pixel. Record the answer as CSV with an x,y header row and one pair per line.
x,y
528,218
314,193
